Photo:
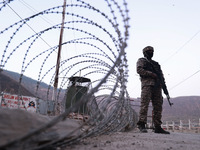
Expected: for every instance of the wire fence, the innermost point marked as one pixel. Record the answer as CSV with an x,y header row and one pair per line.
x,y
95,39
186,126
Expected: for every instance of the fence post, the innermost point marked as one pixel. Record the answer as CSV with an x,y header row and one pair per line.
x,y
189,124
199,121
167,126
173,124
181,125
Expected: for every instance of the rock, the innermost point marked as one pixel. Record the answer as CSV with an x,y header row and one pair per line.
x,y
15,123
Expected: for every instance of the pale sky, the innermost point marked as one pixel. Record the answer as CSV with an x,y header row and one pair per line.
x,y
172,27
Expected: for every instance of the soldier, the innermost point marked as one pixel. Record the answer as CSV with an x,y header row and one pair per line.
x,y
151,89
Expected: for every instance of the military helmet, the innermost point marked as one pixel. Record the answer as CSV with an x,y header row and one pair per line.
x,y
147,49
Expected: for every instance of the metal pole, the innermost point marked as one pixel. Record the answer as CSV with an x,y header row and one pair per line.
x,y
57,108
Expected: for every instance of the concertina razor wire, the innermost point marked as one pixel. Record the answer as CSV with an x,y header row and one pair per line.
x,y
95,39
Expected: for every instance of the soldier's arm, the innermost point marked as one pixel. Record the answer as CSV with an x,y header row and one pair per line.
x,y
143,72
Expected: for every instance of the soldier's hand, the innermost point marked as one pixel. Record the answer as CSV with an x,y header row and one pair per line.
x,y
168,97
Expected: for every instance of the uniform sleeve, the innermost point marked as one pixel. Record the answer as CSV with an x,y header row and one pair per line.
x,y
141,68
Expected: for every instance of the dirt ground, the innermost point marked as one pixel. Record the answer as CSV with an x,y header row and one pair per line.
x,y
134,140
16,123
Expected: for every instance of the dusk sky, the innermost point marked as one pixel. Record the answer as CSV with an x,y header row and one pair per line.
x,y
172,27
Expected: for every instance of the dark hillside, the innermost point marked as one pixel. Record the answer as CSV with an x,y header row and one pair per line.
x,y
184,108
9,85
28,83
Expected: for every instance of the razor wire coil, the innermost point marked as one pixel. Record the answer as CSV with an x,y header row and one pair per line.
x,y
101,57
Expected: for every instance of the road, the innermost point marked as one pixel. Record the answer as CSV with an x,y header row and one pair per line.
x,y
134,140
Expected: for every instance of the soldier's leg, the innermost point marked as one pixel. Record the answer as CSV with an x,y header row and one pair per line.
x,y
146,96
157,102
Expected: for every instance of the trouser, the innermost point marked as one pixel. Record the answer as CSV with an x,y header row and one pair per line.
x,y
155,95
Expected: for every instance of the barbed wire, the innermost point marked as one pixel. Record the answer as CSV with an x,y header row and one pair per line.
x,y
100,56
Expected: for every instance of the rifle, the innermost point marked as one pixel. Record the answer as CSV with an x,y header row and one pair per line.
x,y
162,81
169,101
164,87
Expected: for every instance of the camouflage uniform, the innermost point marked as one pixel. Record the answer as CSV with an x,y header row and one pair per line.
x,y
151,90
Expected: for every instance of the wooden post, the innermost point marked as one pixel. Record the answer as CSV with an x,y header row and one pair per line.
x,y
57,107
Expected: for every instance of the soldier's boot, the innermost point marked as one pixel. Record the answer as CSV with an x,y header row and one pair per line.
x,y
142,128
158,129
